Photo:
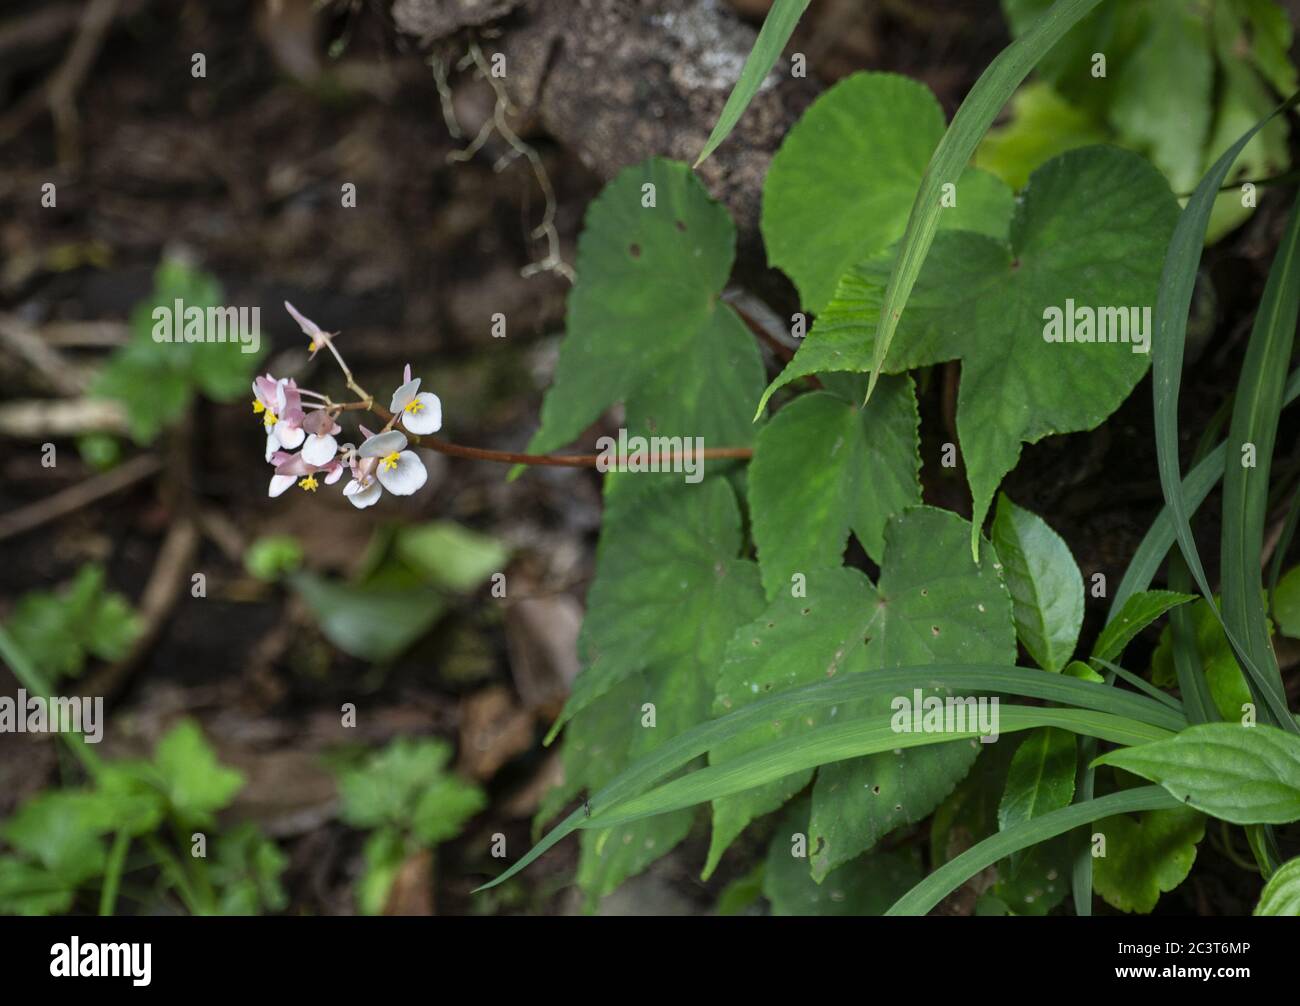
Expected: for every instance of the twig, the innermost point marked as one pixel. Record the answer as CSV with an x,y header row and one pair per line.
x,y
75,497
59,373
552,460
47,419
59,93
166,584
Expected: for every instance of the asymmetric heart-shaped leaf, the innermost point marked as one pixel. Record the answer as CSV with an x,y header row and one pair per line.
x,y
933,605
840,188
644,322
803,635
866,886
1087,241
824,466
657,550
1246,775
669,592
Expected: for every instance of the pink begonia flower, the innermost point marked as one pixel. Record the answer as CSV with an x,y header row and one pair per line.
x,y
382,462
280,407
318,337
320,446
420,411
291,468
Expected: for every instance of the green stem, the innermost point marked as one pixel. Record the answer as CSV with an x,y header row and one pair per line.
x,y
113,873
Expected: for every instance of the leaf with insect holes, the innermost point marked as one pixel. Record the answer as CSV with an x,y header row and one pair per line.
x,y
1145,856
798,639
840,187
645,324
932,605
935,606
825,466
1089,231
1045,583
866,886
1245,775
669,592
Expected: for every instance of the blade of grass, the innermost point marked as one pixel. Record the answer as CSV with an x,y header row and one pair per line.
x,y
36,684
1182,497
851,739
1140,684
943,881
973,119
775,33
962,678
1172,305
1245,489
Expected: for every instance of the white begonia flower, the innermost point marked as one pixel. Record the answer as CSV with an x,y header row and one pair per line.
x,y
294,468
280,405
320,446
362,496
398,470
419,411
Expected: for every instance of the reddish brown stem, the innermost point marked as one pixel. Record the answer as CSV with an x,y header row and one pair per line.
x,y
553,460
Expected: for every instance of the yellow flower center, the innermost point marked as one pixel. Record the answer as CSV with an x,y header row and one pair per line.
x,y
414,405
269,419
258,407
390,462
309,483
312,346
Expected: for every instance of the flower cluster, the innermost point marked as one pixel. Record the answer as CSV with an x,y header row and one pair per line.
x,y
299,418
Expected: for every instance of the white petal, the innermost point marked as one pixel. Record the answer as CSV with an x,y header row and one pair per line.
x,y
272,443
291,437
362,498
427,419
308,326
383,444
279,483
406,477
319,450
334,476
280,400
403,395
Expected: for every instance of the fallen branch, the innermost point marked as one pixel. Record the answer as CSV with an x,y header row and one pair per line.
x,y
167,582
50,418
75,497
